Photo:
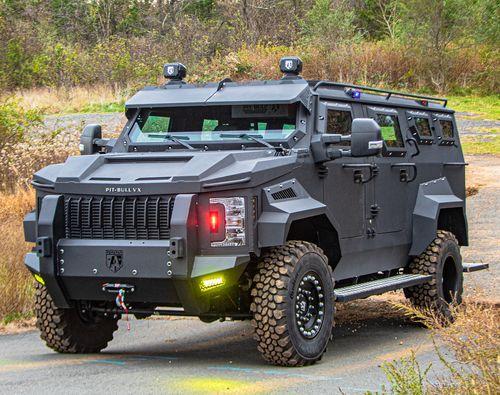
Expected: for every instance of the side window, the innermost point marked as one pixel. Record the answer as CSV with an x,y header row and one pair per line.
x,y
423,127
391,131
446,129
338,122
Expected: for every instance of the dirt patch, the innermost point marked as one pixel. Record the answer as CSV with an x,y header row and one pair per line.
x,y
472,190
19,326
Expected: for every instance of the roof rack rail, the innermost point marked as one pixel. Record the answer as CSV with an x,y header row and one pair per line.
x,y
388,93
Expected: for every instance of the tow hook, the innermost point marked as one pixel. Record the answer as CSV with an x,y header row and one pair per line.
x,y
120,290
115,287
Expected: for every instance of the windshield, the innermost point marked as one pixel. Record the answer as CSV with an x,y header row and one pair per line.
x,y
214,123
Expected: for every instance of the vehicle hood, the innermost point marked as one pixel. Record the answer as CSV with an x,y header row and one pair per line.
x,y
164,173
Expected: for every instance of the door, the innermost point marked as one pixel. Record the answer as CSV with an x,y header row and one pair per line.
x,y
343,193
388,198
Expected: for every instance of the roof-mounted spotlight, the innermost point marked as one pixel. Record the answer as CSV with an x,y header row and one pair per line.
x,y
354,93
174,71
291,66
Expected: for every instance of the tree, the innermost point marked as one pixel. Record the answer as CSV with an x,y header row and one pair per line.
x,y
329,23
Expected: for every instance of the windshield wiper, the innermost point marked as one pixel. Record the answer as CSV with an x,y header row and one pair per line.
x,y
254,137
177,139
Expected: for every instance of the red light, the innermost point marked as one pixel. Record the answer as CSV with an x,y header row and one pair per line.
x,y
214,221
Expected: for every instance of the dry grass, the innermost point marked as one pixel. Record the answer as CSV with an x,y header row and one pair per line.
x,y
474,340
16,293
98,98
20,161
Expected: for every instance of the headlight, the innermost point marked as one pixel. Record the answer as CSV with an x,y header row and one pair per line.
x,y
227,222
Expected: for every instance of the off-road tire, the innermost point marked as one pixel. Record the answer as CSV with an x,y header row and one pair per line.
x,y
443,261
65,331
275,287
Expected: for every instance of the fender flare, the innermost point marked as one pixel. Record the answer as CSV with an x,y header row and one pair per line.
x,y
279,213
432,197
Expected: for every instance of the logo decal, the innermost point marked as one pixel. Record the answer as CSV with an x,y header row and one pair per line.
x,y
123,189
170,70
288,64
114,260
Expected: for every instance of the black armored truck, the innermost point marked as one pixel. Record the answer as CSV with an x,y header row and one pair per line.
x,y
265,200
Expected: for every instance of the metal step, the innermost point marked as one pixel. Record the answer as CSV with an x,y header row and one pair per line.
x,y
474,267
363,290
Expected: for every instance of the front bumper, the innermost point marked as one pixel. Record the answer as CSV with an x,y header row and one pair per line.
x,y
161,272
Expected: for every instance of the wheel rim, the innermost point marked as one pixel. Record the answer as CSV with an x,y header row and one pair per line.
x,y
309,305
449,279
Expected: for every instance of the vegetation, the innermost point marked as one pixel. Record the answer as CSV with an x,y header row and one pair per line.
x,y
474,340
427,45
15,122
487,107
489,145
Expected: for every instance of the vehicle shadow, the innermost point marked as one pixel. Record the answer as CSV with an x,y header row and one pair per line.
x,y
367,326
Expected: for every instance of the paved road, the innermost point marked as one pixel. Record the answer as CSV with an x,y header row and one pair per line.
x,y
188,356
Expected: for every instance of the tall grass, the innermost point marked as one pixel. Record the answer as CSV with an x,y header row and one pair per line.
x,y
97,98
16,292
18,162
474,340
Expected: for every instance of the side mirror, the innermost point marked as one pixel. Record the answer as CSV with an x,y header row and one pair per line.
x,y
366,138
91,135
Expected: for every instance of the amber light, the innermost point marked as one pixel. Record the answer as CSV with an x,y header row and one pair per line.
x,y
214,221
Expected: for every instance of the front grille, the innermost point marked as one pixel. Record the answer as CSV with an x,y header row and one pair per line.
x,y
118,217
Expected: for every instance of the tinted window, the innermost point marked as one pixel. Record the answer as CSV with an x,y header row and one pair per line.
x,y
156,124
391,131
423,127
339,122
214,123
446,128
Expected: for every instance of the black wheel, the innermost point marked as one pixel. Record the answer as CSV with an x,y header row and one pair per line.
x,y
70,330
443,261
293,304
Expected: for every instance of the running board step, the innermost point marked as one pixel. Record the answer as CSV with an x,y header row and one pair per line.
x,y
363,290
474,267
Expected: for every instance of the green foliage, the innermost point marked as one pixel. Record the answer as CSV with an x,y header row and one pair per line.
x,y
487,107
406,376
101,107
329,23
489,145
15,122
428,45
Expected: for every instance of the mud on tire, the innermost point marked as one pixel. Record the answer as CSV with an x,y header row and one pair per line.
x,y
66,331
443,261
276,298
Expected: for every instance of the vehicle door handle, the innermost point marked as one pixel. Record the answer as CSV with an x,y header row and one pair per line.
x,y
403,175
358,174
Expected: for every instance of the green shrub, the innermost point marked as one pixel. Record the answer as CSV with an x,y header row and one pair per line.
x,y
15,121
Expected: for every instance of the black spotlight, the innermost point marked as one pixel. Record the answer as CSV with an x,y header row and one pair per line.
x,y
291,66
174,71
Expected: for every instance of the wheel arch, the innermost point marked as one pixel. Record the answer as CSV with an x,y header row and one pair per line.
x,y
320,231
437,207
291,213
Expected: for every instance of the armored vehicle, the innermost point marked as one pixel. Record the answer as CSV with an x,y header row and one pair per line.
x,y
267,200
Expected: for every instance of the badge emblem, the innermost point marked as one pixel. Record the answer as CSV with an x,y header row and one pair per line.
x,y
288,64
170,70
114,260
